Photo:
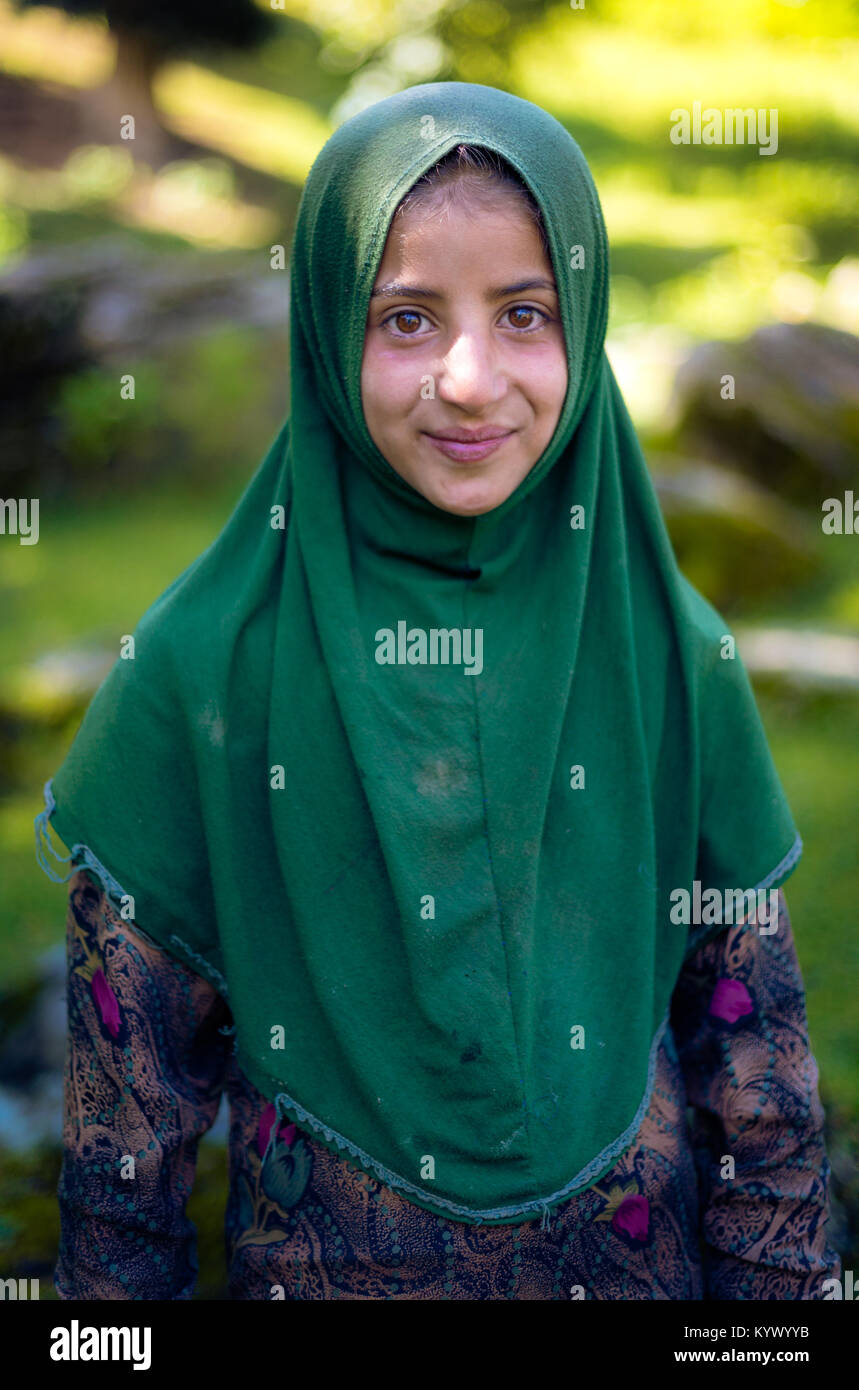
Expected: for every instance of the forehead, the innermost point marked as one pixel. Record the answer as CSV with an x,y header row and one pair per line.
x,y
460,238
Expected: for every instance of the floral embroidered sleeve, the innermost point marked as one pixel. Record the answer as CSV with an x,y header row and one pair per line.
x,y
144,1071
740,1025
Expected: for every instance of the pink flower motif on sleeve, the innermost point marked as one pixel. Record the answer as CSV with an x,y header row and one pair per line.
x,y
632,1218
627,1210
266,1120
731,1001
92,969
106,1002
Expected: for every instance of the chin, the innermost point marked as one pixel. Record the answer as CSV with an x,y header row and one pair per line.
x,y
468,496
473,499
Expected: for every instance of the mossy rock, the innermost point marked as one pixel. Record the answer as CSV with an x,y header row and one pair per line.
x,y
733,540
793,424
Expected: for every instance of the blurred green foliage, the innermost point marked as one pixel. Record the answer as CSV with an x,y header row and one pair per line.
x,y
97,424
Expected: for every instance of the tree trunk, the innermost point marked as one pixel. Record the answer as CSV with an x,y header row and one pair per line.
x,y
128,93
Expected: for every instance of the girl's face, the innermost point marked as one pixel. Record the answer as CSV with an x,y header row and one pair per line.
x,y
464,340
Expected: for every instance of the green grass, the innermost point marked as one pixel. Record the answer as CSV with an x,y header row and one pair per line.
x,y
97,567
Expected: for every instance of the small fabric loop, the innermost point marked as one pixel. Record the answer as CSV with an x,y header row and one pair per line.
x,y
43,840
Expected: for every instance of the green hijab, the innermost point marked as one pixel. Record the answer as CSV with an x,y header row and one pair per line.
x,y
447,954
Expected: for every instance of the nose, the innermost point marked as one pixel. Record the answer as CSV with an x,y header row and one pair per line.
x,y
472,375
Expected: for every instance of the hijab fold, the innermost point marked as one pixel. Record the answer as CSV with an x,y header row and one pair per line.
x,y
438,903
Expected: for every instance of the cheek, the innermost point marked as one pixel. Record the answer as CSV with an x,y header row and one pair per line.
x,y
560,375
369,381
389,386
549,383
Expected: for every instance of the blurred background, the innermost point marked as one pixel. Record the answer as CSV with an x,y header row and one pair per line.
x,y
151,256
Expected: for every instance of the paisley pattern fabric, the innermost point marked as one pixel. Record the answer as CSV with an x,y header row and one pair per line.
x,y
723,1194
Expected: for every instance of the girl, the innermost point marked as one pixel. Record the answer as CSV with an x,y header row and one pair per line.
x,y
404,790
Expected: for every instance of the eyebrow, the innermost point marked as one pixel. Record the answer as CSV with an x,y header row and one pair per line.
x,y
394,290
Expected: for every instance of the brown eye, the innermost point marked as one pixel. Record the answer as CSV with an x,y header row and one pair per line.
x,y
406,321
529,312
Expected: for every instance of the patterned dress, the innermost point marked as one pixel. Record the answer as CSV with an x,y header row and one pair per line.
x,y
149,1055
